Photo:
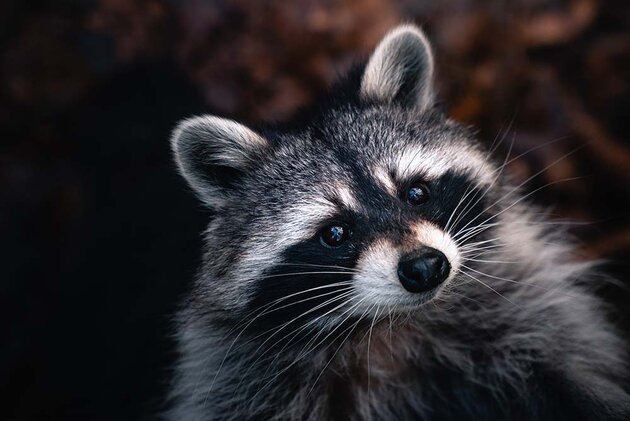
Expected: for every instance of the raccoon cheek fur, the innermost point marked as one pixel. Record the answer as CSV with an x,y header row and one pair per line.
x,y
370,260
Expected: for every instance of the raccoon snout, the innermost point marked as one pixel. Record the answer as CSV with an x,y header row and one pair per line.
x,y
425,271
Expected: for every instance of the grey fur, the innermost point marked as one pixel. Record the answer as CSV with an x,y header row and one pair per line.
x,y
206,140
478,348
403,57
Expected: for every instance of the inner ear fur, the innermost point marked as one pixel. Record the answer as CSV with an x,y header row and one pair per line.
x,y
400,70
212,153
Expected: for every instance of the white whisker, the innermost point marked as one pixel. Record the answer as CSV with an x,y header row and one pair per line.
x,y
490,288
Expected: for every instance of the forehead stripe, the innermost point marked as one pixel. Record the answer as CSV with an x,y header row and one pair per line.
x,y
383,178
346,197
434,163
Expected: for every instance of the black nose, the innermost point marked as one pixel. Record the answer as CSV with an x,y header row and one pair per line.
x,y
425,271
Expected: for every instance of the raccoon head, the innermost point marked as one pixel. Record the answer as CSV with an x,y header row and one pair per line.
x,y
363,202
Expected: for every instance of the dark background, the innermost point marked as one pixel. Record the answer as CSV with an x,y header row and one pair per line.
x,y
99,236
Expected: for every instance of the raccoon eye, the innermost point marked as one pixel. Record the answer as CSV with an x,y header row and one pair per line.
x,y
417,194
335,235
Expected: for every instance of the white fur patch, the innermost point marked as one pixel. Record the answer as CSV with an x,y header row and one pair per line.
x,y
377,282
384,179
347,198
296,224
377,279
430,235
434,163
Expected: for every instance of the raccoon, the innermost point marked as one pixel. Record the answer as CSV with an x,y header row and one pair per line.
x,y
371,259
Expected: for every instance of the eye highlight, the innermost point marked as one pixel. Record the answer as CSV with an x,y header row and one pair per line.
x,y
417,194
335,235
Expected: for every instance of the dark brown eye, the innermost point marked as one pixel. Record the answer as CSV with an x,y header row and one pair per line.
x,y
417,194
335,235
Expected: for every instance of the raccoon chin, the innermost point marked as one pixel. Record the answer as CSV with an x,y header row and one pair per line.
x,y
415,303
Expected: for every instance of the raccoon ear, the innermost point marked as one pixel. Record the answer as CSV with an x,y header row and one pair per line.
x,y
401,70
212,153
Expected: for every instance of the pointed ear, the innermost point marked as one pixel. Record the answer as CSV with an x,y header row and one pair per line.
x,y
213,153
401,70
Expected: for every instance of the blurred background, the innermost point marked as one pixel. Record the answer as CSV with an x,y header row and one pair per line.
x,y
99,236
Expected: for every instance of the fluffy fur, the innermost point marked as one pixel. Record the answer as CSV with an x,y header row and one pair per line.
x,y
279,326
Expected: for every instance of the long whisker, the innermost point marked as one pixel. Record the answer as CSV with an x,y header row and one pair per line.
x,y
299,357
487,245
295,332
481,251
470,188
391,348
471,205
368,352
532,223
465,296
277,329
490,288
252,321
525,224
349,312
312,265
306,273
507,162
500,169
522,198
529,179
474,230
517,282
271,364
481,247
478,254
315,320
480,242
490,261
269,306
351,328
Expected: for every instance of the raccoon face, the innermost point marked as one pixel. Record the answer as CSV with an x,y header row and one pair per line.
x,y
364,203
